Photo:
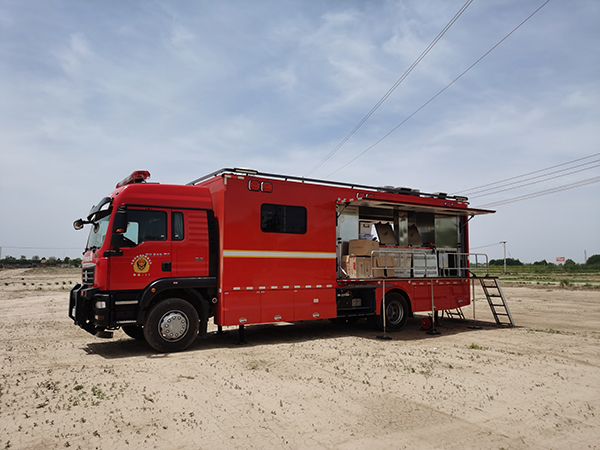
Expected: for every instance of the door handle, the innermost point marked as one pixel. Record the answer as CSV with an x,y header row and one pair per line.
x,y
166,267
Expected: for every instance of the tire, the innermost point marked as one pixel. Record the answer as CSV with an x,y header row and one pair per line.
x,y
134,331
396,312
171,325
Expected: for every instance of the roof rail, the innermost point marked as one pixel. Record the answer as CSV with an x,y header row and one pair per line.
x,y
390,189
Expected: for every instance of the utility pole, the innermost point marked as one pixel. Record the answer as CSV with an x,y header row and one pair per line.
x,y
504,244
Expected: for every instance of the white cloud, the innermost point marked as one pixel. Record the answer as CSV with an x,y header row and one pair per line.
x,y
94,90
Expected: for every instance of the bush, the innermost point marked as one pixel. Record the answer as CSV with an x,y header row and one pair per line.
x,y
593,260
509,262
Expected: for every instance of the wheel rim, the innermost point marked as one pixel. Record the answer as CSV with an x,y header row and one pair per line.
x,y
173,326
394,313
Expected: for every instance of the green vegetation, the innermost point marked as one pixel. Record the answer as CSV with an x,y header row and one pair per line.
x,y
543,266
36,261
474,346
569,275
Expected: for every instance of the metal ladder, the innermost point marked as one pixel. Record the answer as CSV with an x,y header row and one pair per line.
x,y
496,300
453,314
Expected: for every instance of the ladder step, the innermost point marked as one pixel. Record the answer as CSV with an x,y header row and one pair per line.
x,y
492,291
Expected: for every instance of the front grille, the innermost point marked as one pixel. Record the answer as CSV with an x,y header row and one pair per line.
x,y
87,275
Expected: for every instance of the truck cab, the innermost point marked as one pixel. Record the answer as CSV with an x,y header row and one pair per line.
x,y
148,243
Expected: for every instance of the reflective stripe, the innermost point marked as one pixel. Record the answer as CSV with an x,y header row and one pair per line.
x,y
275,254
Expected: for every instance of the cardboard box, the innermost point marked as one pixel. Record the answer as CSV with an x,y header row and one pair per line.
x,y
385,233
362,247
387,264
403,265
357,266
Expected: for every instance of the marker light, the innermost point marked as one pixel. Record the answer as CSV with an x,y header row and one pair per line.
x,y
139,176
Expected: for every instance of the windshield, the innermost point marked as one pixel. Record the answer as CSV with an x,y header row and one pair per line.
x,y
98,233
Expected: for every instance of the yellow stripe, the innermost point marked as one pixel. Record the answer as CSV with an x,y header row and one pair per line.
x,y
276,254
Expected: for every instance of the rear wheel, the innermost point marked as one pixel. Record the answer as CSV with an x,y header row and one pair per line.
x,y
171,325
396,312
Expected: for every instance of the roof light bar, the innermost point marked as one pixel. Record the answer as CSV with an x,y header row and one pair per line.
x,y
245,170
139,176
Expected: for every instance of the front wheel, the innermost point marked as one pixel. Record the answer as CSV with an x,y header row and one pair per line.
x,y
171,326
396,312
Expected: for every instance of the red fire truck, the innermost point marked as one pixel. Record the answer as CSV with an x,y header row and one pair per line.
x,y
247,248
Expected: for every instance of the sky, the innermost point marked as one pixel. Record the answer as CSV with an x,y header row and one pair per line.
x,y
91,91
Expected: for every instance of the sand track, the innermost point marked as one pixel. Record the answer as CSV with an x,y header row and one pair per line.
x,y
311,385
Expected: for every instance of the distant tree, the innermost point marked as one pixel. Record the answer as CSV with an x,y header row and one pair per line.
x,y
513,262
570,263
75,262
543,262
10,260
35,258
593,260
509,262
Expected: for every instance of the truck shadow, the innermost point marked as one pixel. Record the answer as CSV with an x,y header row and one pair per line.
x,y
286,333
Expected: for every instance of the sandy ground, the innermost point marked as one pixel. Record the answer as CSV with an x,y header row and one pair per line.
x,y
311,385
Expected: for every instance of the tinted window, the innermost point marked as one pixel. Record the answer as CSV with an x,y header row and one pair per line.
x,y
282,219
146,226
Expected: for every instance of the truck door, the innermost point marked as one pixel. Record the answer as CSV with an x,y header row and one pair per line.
x,y
190,243
147,254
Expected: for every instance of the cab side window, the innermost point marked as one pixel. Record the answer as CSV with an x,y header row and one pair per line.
x,y
177,228
145,226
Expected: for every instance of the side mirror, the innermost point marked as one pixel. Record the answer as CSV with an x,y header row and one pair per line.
x,y
118,241
120,221
78,224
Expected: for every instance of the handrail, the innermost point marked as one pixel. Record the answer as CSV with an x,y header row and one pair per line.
x,y
398,262
460,257
404,262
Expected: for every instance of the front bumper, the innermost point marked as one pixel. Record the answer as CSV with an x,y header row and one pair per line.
x,y
81,308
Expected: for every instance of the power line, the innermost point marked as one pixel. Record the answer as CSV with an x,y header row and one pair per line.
x,y
440,92
486,246
396,84
42,248
474,190
544,192
546,178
